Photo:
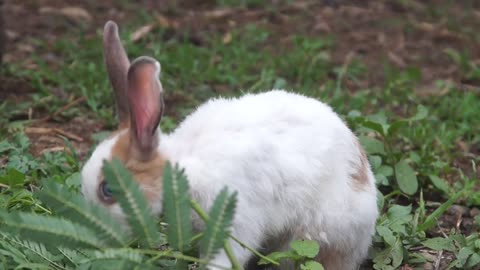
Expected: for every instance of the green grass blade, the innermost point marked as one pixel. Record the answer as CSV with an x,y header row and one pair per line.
x,y
218,224
432,218
49,230
132,202
176,207
74,207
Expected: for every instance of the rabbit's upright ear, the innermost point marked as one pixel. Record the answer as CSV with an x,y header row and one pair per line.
x,y
146,105
117,64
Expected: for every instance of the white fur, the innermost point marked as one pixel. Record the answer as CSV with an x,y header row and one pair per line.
x,y
289,157
92,172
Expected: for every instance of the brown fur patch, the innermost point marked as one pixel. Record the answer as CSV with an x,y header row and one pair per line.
x,y
147,173
123,125
360,176
331,259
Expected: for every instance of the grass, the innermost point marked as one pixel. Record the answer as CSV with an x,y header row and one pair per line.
x,y
423,150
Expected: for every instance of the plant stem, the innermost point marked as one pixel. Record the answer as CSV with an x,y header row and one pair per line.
x,y
196,237
204,217
391,194
226,246
256,253
198,209
228,250
179,256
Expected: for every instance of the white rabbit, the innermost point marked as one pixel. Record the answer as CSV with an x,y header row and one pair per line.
x,y
299,171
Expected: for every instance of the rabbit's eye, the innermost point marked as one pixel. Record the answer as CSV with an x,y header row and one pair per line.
x,y
105,193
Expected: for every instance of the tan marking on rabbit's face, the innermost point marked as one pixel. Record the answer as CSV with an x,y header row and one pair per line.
x,y
360,176
147,173
117,132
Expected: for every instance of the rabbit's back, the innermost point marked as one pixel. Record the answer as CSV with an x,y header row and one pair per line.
x,y
298,169
271,147
278,118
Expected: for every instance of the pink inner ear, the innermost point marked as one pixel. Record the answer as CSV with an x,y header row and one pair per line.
x,y
145,115
144,93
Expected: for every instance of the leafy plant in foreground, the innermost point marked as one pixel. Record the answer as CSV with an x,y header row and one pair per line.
x,y
83,235
303,253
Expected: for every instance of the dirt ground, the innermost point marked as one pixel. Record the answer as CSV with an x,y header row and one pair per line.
x,y
373,31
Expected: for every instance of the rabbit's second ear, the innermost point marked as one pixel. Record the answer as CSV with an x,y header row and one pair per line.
x,y
117,64
146,105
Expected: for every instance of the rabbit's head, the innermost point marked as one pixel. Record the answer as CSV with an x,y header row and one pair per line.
x,y
139,106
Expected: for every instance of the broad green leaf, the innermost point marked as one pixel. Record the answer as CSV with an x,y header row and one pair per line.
x,y
132,202
398,216
280,255
439,183
397,254
372,145
380,200
381,174
386,234
385,170
383,260
395,126
311,265
389,258
422,113
51,231
439,243
74,207
5,146
463,255
473,260
74,181
380,118
399,212
380,128
406,178
13,178
218,226
306,248
375,161
381,180
176,207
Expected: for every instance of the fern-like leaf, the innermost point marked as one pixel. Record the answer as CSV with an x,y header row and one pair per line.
x,y
77,209
9,250
218,226
72,256
133,202
124,258
176,207
53,231
35,248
